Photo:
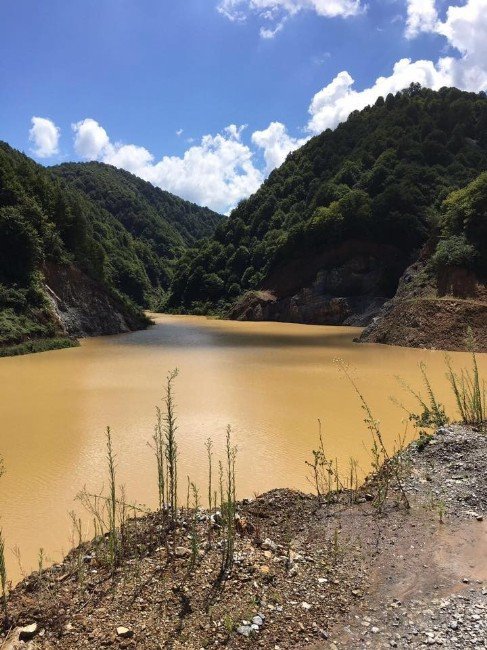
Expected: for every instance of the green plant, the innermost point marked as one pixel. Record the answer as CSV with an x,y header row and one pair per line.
x,y
433,414
387,467
325,475
228,503
171,447
3,579
195,545
469,391
77,541
160,454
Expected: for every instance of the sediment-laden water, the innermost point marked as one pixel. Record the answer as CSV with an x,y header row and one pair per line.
x,y
270,381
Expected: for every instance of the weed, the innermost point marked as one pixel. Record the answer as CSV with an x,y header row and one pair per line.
x,y
387,467
432,414
228,503
469,391
3,580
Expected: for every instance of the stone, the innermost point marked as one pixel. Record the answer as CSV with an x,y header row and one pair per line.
x,y
182,551
124,632
269,545
28,632
244,630
257,620
306,606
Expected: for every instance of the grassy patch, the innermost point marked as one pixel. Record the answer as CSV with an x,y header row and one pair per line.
x,y
38,345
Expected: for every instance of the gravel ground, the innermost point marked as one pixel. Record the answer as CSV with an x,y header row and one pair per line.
x,y
306,575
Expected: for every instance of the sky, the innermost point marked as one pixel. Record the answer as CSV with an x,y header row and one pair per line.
x,y
204,98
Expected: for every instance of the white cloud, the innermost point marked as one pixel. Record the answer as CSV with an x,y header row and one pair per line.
x,y
221,169
465,29
334,103
270,32
218,172
45,136
421,17
90,140
276,144
127,156
276,12
179,132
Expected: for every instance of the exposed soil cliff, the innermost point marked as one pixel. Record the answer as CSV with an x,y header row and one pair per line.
x,y
433,312
344,286
84,307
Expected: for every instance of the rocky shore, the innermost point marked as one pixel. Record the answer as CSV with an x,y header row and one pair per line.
x,y
308,573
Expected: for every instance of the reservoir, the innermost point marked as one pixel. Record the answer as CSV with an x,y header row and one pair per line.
x,y
270,381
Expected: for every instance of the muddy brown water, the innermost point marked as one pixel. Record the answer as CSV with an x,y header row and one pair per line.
x,y
270,381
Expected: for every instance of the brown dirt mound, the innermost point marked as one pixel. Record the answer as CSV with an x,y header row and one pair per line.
x,y
314,575
440,323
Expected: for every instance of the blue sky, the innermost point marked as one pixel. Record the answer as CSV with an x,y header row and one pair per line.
x,y
165,87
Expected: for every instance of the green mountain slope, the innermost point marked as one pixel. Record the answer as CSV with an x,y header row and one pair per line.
x,y
331,231
45,228
443,294
162,225
82,249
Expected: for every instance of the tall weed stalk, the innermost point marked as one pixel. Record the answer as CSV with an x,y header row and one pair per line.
x,y
387,468
470,392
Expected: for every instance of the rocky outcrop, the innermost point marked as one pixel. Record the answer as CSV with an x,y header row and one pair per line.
x,y
435,313
84,307
344,286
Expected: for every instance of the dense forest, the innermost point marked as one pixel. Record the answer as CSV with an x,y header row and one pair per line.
x,y
47,219
382,176
159,226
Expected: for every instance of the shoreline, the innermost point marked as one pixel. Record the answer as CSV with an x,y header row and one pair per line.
x,y
330,574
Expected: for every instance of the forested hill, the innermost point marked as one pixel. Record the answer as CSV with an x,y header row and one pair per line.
x,y
332,230
147,212
68,266
158,224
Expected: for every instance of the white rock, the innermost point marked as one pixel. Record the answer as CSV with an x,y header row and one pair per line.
x,y
124,632
28,632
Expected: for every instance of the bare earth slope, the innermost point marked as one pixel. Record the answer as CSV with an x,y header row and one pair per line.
x,y
433,314
306,575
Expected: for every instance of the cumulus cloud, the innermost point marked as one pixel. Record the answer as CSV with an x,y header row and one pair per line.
x,y
464,28
421,17
276,12
218,172
221,170
90,139
45,136
334,103
276,143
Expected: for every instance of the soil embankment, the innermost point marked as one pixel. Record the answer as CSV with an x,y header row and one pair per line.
x,y
307,574
84,307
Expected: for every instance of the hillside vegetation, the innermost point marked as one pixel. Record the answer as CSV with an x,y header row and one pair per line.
x,y
444,292
50,230
379,179
160,224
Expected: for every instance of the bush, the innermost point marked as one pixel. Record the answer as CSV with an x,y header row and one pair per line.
x,y
454,252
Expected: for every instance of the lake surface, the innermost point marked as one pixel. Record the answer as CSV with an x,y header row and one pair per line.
x,y
270,381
